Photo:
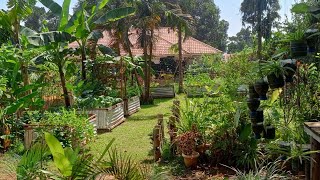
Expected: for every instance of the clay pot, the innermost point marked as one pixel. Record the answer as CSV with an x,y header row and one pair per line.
x,y
274,81
253,104
191,160
261,87
252,92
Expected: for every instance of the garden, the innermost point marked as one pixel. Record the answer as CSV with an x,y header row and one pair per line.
x,y
92,112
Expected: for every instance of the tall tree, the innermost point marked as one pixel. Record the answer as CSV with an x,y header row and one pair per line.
x,y
147,20
261,16
182,22
209,27
35,19
242,39
10,22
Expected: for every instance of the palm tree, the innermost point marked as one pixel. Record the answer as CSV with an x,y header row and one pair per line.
x,y
177,19
148,19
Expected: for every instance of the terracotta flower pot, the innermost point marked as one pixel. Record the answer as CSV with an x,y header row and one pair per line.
x,y
191,160
261,87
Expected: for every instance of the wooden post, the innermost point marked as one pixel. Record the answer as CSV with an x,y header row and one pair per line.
x,y
160,122
315,160
176,109
156,144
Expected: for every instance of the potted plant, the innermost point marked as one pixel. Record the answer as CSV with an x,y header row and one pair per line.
x,y
290,71
269,132
257,116
257,128
187,146
261,87
253,104
298,45
275,73
253,94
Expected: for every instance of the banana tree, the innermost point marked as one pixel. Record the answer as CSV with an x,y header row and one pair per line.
x,y
55,43
84,26
10,22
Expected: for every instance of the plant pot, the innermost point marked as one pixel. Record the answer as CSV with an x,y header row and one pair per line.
x,y
298,49
270,132
289,73
261,87
253,93
274,81
191,160
257,129
256,116
253,104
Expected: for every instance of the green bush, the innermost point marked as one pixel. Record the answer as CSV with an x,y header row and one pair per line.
x,y
70,127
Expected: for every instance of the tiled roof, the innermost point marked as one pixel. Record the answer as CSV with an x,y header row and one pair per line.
x,y
165,38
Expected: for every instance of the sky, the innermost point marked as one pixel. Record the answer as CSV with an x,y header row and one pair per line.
x,y
229,11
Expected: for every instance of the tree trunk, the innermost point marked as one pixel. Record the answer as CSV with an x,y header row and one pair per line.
x,y
180,59
93,46
24,66
149,68
259,31
64,87
83,61
145,53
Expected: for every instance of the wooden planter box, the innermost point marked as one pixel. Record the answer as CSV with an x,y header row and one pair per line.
x,y
30,134
109,118
195,91
131,106
162,92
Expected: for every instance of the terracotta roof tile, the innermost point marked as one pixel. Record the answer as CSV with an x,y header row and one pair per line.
x,y
165,39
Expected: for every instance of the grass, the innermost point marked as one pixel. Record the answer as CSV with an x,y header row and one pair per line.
x,y
133,135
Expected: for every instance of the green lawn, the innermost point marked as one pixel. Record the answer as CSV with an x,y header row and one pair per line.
x,y
133,135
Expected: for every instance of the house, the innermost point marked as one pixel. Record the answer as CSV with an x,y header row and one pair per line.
x,y
165,39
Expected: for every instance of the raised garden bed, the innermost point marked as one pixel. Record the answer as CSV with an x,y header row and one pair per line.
x,y
131,106
30,133
196,91
162,92
109,118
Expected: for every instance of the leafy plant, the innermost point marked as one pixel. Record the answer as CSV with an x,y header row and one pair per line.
x,y
261,172
97,102
274,67
187,141
70,127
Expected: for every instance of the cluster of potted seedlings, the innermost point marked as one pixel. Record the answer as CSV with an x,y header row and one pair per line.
x,y
277,74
